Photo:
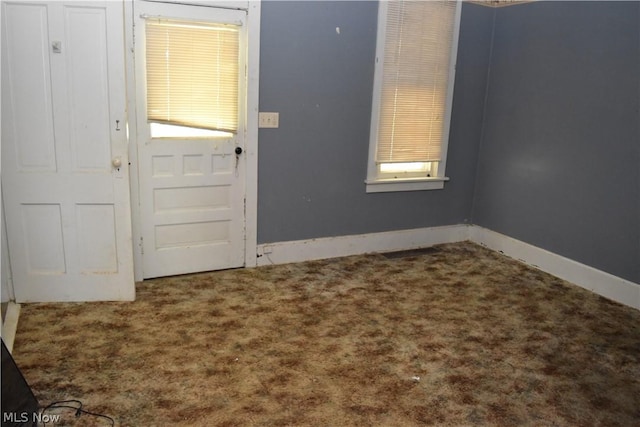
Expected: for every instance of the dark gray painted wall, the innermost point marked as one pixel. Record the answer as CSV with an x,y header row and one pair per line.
x,y
311,170
559,165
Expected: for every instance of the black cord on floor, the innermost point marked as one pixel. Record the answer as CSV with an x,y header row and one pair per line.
x,y
78,409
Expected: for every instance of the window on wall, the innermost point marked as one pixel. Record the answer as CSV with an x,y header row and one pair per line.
x,y
192,78
412,96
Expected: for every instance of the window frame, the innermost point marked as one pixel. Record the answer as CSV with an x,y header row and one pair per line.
x,y
384,182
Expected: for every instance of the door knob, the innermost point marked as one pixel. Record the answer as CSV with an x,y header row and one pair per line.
x,y
238,151
116,162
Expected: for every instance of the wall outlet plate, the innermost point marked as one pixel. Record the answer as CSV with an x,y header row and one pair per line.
x,y
268,120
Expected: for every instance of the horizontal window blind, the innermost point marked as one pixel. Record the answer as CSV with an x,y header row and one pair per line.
x,y
417,54
192,74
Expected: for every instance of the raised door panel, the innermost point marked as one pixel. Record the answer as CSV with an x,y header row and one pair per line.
x,y
88,87
96,238
27,77
43,236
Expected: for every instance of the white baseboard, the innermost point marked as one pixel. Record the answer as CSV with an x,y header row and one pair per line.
x,y
604,284
592,279
331,247
10,325
597,281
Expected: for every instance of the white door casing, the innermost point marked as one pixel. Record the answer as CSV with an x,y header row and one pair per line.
x,y
63,130
191,191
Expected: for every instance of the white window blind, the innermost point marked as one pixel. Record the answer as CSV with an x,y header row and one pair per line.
x,y
415,79
192,74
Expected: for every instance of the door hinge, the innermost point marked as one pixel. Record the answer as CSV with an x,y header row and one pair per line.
x,y
141,246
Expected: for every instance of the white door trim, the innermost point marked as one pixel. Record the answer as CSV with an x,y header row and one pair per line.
x,y
251,139
132,131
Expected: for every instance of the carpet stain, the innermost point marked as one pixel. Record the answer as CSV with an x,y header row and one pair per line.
x,y
455,335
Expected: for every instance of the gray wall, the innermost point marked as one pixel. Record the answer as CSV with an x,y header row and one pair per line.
x,y
558,133
311,170
559,164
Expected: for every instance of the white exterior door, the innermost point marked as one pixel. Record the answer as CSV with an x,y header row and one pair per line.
x,y
65,175
192,188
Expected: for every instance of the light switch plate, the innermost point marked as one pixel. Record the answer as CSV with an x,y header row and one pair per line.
x,y
268,120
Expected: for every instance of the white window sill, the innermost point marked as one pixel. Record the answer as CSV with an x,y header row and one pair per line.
x,y
411,184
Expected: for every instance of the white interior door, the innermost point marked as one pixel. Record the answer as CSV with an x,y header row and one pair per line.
x,y
63,129
192,189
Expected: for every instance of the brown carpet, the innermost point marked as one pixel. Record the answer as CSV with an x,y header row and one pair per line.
x,y
455,336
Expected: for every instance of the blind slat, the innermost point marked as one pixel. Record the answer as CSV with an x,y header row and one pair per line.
x,y
192,74
419,37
